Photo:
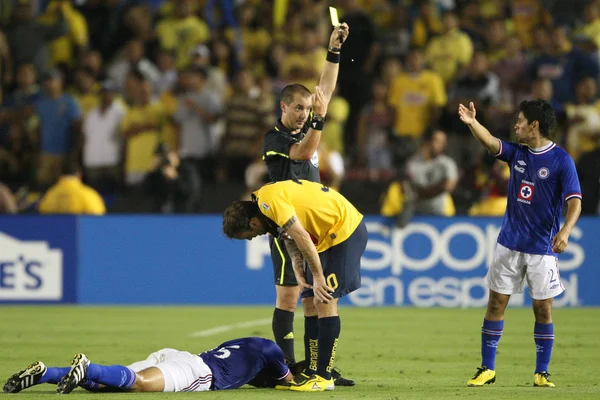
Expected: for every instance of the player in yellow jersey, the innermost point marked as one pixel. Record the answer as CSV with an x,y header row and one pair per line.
x,y
323,229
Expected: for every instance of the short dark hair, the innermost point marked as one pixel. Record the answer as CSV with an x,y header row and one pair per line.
x,y
71,167
236,218
288,92
430,132
197,70
540,111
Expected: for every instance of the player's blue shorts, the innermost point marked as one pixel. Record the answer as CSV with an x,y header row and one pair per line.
x,y
341,264
237,362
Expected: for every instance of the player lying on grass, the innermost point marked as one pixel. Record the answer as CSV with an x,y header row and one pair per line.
x,y
256,361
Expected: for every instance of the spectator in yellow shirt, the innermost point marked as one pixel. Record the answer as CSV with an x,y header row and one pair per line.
x,y
526,15
305,66
183,32
70,196
591,28
426,25
255,39
142,128
86,90
451,50
337,115
69,47
417,96
492,184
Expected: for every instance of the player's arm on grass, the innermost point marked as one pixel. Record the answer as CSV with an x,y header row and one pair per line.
x,y
467,116
308,250
307,147
330,72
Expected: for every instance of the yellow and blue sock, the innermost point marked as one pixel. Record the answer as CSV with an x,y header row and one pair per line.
x,y
329,333
543,334
311,343
490,337
115,376
54,374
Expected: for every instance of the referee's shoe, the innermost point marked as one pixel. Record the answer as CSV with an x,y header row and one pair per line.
x,y
339,380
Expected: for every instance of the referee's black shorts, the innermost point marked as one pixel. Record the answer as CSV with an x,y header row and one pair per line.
x,y
282,265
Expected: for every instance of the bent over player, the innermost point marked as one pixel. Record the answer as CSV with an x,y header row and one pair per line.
x,y
329,233
542,178
228,366
290,152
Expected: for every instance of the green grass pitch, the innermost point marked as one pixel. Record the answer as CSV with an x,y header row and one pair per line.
x,y
392,353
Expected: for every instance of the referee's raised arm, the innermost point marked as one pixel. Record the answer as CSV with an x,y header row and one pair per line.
x,y
332,66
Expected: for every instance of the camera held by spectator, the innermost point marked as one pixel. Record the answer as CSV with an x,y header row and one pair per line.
x,y
174,186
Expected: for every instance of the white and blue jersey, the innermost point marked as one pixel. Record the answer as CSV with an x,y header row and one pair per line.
x,y
541,180
239,361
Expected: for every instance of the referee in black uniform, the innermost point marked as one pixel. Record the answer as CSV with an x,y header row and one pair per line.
x,y
290,151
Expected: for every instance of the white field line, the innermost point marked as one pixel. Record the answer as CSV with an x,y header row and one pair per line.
x,y
225,328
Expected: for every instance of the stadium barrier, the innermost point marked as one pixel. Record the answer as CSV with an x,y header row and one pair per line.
x,y
122,259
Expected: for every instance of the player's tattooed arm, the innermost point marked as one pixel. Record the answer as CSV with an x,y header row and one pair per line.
x,y
295,254
309,252
290,222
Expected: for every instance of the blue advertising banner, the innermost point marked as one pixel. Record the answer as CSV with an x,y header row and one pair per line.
x,y
440,262
434,262
166,260
38,259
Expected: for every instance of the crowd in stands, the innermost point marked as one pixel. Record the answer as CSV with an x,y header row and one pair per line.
x,y
158,101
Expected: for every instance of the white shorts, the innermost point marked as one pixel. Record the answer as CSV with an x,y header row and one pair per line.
x,y
510,268
183,371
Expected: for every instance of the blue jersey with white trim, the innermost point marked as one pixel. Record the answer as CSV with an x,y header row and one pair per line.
x,y
237,362
541,181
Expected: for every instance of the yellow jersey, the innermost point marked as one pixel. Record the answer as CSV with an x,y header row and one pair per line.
x,y
448,53
70,196
182,35
61,49
327,216
414,97
139,156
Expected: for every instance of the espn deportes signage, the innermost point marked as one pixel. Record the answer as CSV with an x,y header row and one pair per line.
x,y
37,259
440,262
433,262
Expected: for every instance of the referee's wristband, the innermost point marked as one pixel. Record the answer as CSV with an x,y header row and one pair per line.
x,y
333,57
317,125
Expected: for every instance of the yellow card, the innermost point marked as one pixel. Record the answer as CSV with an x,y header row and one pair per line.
x,y
334,16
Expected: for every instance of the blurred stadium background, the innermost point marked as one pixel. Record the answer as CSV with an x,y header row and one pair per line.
x,y
109,85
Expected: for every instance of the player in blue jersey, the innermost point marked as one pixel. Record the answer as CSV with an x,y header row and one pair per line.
x,y
542,178
228,366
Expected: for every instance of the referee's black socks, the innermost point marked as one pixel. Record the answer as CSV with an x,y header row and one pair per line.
x,y
329,333
283,330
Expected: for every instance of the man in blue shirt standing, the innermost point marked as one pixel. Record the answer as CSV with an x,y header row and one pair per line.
x,y
60,128
542,178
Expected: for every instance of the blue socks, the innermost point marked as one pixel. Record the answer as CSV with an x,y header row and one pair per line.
x,y
54,375
116,376
543,334
490,337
